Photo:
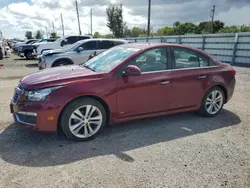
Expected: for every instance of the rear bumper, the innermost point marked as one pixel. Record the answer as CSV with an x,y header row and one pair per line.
x,y
230,90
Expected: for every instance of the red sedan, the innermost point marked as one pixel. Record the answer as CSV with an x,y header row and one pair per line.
x,y
124,83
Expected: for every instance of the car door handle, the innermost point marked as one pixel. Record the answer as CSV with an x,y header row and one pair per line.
x,y
164,82
202,76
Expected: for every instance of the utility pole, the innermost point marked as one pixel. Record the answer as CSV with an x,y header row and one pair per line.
x,y
91,21
46,32
77,13
53,26
149,14
62,24
212,17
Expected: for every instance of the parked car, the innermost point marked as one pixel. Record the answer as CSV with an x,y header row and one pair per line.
x,y
16,45
61,43
126,82
26,50
77,53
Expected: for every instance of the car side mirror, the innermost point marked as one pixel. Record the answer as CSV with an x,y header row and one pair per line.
x,y
79,49
132,70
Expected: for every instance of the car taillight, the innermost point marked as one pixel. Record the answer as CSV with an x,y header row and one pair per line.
x,y
233,71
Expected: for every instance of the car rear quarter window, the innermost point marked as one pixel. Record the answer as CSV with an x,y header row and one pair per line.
x,y
83,37
71,40
105,44
186,58
116,43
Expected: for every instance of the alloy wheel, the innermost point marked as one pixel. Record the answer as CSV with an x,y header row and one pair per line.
x,y
214,102
85,121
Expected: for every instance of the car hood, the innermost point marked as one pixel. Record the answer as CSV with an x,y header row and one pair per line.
x,y
51,52
58,76
25,45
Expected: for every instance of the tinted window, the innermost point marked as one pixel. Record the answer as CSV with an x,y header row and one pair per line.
x,y
105,44
185,58
83,37
71,40
116,43
152,60
91,45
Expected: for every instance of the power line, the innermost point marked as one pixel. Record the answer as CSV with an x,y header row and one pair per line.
x,y
77,13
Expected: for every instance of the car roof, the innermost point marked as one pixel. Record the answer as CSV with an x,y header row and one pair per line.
x,y
100,39
145,46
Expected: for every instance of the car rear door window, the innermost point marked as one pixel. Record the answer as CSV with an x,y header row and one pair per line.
x,y
152,60
91,45
185,58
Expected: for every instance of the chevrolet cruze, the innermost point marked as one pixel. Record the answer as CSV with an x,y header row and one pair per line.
x,y
126,82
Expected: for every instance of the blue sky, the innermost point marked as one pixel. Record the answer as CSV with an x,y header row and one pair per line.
x,y
4,3
18,16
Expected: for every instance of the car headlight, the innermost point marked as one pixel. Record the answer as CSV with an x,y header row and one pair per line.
x,y
20,48
39,95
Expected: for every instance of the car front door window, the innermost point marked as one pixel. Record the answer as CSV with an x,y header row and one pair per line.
x,y
151,60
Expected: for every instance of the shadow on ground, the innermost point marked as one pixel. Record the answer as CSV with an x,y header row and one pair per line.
x,y
24,147
33,65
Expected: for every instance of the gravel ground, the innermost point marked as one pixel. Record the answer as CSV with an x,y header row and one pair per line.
x,y
183,150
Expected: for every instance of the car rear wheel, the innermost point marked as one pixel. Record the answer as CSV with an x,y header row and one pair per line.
x,y
29,55
83,119
61,63
213,102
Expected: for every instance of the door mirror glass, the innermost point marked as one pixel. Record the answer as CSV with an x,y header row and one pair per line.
x,y
79,49
132,70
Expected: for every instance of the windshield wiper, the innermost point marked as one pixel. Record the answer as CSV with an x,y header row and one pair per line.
x,y
86,66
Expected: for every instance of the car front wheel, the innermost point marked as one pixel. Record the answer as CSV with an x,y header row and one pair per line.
x,y
83,119
61,63
213,102
29,55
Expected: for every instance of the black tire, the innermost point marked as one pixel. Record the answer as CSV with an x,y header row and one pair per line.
x,y
74,105
203,110
29,56
61,63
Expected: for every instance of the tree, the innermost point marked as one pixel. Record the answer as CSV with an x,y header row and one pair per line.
x,y
97,35
28,35
177,23
165,31
217,25
39,34
136,31
115,20
54,35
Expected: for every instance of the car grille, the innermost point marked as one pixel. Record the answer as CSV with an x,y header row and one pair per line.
x,y
18,92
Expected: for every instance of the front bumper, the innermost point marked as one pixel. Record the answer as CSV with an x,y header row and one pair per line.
x,y
39,116
41,63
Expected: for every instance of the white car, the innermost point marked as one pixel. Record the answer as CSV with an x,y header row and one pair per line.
x,y
77,53
61,43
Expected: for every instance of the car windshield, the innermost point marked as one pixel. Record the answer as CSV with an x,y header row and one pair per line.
x,y
109,59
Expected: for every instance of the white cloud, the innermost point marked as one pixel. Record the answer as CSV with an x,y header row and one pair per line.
x,y
16,18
